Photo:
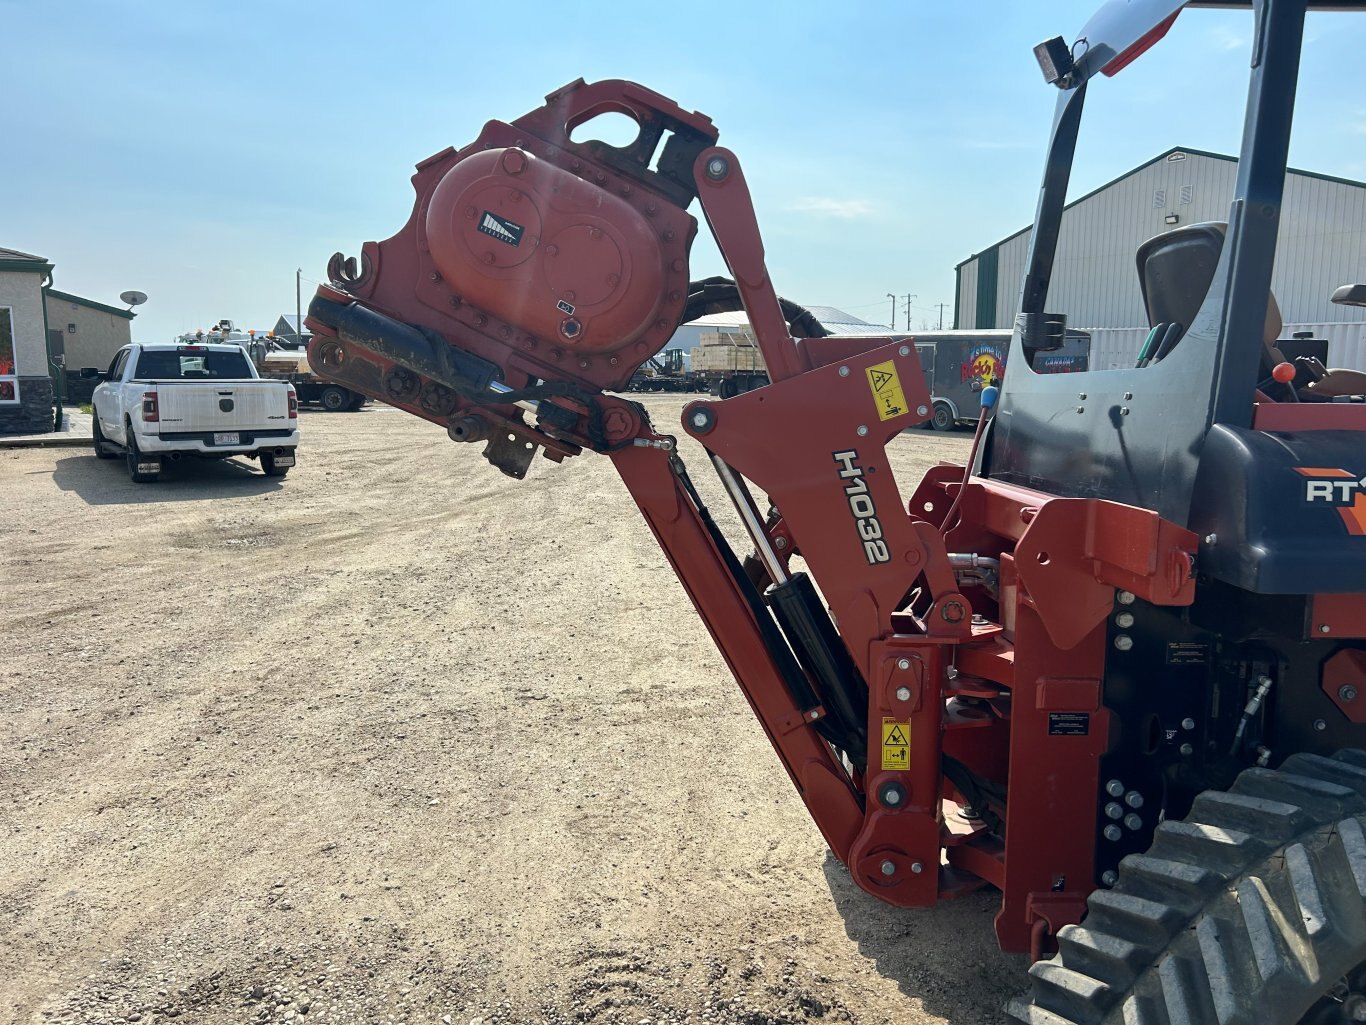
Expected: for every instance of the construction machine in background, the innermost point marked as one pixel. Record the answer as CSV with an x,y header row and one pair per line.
x,y
1113,668
665,372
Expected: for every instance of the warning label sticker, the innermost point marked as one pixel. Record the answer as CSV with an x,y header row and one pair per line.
x,y
886,389
896,745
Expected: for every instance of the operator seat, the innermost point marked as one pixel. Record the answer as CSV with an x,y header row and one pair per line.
x,y
1175,270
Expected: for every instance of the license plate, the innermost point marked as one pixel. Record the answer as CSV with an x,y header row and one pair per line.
x,y
227,438
284,460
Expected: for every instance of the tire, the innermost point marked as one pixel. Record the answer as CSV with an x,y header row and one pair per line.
x,y
357,401
729,388
268,465
942,417
334,399
131,454
97,437
1251,910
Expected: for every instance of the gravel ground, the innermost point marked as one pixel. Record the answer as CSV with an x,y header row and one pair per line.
x,y
400,739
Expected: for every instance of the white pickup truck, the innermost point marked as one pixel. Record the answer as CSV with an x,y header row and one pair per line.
x,y
164,402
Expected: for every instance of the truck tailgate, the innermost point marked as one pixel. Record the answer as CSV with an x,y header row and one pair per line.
x,y
222,405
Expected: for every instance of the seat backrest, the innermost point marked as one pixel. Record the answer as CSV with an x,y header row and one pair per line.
x,y
1175,270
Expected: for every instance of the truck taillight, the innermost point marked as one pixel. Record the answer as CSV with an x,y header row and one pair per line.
x,y
293,404
149,407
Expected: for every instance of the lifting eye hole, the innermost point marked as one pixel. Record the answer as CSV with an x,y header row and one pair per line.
x,y
1042,558
611,128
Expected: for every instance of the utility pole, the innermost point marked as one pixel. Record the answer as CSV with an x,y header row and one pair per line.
x,y
941,315
909,297
299,306
893,298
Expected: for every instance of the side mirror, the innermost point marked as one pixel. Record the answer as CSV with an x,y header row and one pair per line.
x,y
91,373
1350,295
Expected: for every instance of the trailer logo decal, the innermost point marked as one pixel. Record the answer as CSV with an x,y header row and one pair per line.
x,y
1340,489
985,363
886,388
896,745
501,228
862,508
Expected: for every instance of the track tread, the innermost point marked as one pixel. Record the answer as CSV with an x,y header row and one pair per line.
x,y
1238,915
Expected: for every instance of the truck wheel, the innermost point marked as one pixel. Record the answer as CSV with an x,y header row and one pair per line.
x,y
942,417
334,399
269,466
133,457
729,388
1251,910
97,436
357,401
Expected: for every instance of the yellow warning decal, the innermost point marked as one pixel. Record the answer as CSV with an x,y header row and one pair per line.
x,y
896,745
886,389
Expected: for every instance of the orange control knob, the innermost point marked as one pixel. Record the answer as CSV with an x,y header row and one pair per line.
x,y
1284,372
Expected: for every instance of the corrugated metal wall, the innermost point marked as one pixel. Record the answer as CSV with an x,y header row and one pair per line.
x,y
967,297
1113,347
1095,281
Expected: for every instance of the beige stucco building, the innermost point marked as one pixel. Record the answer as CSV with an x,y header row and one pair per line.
x,y
25,384
86,333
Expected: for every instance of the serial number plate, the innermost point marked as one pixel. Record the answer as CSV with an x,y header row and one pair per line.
x,y
227,438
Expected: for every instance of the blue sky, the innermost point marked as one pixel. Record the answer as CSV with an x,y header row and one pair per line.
x,y
201,152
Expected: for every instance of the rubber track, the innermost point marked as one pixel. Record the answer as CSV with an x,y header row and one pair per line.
x,y
1247,911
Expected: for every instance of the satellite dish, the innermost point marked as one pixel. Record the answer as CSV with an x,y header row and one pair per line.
x,y
133,298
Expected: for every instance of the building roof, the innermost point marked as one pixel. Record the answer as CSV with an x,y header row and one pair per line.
x,y
1184,151
14,259
91,304
14,254
834,320
292,321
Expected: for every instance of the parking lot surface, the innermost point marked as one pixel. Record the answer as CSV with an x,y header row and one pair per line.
x,y
397,738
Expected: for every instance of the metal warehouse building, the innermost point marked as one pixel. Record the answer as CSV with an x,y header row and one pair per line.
x,y
1095,281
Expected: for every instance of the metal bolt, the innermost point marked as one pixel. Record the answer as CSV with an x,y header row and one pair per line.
x,y
1114,788
862,431
917,868
891,796
903,693
1109,877
1081,409
1211,539
1133,799
1112,832
1187,750
1325,628
888,869
717,168
1320,725
905,350
1124,620
1125,597
1114,810
922,410
1188,724
1133,822
699,419
903,663
1123,410
1128,395
1347,692
780,542
1123,642
1081,395
844,371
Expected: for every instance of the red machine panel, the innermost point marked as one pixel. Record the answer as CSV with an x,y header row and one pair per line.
x,y
542,248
